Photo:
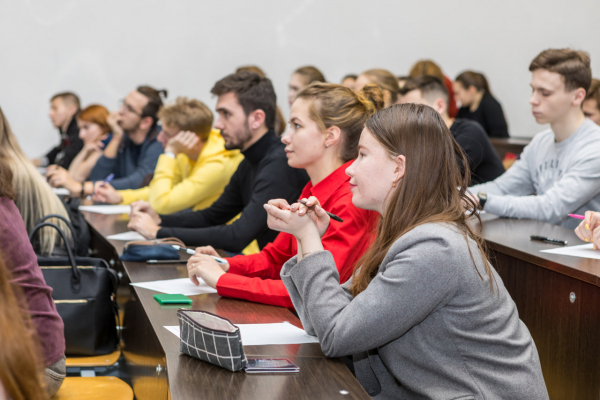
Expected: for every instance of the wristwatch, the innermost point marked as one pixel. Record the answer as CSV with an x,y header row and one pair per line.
x,y
482,198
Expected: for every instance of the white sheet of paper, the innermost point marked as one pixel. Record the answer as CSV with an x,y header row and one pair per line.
x,y
265,334
584,251
61,191
177,286
127,236
106,209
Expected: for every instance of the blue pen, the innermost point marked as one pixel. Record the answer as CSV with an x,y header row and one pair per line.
x,y
108,179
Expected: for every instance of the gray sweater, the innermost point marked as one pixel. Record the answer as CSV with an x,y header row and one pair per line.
x,y
565,176
426,327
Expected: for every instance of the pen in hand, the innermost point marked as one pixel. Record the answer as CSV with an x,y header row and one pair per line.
x,y
108,179
332,216
192,252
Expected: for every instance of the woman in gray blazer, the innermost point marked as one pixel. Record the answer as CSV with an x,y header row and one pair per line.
x,y
425,315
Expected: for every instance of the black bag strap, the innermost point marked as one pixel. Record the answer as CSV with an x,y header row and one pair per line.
x,y
67,222
76,276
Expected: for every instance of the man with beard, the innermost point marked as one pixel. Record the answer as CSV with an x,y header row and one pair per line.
x,y
132,153
246,106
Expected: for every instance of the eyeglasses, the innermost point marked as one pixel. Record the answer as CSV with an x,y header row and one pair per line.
x,y
129,108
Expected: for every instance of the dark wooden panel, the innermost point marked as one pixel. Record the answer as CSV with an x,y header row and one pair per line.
x,y
509,145
145,361
566,334
319,378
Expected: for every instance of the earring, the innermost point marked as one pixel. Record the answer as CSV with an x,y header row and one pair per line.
x,y
395,184
326,145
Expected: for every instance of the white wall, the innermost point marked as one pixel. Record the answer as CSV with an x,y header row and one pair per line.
x,y
103,49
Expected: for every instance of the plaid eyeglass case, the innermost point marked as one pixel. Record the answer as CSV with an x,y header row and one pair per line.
x,y
211,338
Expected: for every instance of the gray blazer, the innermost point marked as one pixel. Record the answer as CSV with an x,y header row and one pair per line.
x,y
426,327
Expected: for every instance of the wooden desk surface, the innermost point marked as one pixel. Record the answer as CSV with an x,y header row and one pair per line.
x,y
512,237
319,377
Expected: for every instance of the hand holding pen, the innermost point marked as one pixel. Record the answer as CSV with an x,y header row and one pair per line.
x,y
589,228
108,179
320,217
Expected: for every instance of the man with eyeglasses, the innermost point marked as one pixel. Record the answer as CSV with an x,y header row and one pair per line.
x,y
133,152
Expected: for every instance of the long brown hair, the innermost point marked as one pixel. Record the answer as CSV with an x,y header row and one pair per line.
x,y
428,191
337,105
21,365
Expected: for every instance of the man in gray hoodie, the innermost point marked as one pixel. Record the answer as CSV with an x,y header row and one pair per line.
x,y
559,171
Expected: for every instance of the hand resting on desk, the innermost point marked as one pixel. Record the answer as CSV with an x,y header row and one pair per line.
x,y
143,222
204,266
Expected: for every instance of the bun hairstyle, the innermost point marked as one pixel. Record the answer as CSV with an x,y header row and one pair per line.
x,y
337,105
155,101
385,80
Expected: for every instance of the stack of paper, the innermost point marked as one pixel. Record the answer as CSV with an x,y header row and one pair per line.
x,y
177,286
584,251
61,191
265,334
126,236
106,209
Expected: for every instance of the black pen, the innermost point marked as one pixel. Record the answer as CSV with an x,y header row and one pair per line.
x,y
548,240
331,215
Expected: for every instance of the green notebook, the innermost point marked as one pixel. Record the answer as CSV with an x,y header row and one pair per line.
x,y
172,299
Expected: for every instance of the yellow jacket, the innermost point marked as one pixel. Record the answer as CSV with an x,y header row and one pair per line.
x,y
181,183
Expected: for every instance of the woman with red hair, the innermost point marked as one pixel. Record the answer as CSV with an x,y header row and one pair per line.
x,y
94,131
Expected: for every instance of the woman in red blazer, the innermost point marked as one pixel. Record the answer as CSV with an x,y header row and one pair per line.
x,y
325,125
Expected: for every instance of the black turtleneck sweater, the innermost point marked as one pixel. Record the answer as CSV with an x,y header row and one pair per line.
x,y
70,145
264,174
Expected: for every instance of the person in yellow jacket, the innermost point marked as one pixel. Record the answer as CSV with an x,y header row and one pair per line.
x,y
194,169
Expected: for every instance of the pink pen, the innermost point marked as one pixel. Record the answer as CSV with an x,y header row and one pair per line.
x,y
577,216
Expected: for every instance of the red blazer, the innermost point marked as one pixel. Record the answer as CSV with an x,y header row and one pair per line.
x,y
256,277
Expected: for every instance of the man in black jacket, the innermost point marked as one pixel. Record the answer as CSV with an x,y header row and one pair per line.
x,y
484,163
246,107
63,109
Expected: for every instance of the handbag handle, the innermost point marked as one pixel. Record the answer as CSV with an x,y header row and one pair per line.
x,y
76,276
67,222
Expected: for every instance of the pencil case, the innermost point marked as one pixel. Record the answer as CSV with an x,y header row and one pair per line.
x,y
157,249
210,338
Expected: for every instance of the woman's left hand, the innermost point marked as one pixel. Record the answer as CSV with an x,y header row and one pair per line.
x,y
281,217
206,268
59,177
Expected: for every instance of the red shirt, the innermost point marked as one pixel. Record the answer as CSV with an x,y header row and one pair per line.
x,y
256,277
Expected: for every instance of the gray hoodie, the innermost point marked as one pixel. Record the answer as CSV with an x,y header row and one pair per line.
x,y
550,180
427,326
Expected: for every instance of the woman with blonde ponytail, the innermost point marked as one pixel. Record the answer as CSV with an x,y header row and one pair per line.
x,y
425,315
325,125
34,196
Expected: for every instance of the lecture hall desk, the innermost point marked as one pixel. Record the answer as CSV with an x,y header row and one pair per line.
x,y
558,298
159,371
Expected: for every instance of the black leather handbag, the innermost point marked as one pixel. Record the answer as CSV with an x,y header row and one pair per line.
x,y
84,293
